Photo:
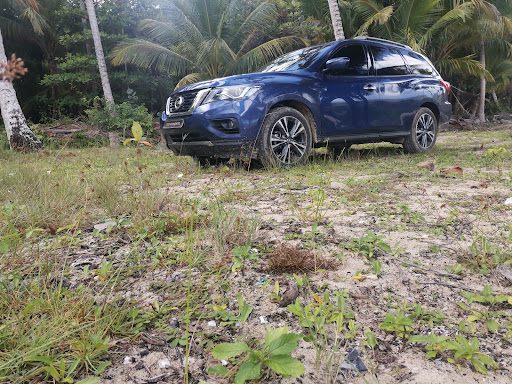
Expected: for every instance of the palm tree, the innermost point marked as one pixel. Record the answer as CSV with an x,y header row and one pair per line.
x,y
337,24
19,134
199,40
102,66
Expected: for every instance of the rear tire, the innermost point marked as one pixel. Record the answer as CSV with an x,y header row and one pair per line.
x,y
285,138
423,132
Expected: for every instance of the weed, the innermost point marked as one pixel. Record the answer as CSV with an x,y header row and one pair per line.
x,y
274,354
399,324
320,318
368,244
486,297
240,254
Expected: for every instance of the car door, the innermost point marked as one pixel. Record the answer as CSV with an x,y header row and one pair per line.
x,y
348,97
400,92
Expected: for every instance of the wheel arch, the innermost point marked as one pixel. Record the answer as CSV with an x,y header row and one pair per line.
x,y
302,108
433,107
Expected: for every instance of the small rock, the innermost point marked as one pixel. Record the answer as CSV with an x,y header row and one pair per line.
x,y
439,363
341,186
504,121
496,140
164,363
355,361
102,226
224,362
263,320
508,201
505,271
212,323
174,323
127,360
144,352
139,365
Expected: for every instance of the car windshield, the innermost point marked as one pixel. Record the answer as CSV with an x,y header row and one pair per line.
x,y
294,60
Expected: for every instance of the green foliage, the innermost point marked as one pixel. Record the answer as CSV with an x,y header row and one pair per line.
x,y
76,140
240,254
457,350
274,354
322,317
101,116
486,255
435,344
368,244
199,40
399,324
487,297
227,318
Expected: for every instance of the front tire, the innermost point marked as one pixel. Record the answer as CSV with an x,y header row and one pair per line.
x,y
423,132
285,139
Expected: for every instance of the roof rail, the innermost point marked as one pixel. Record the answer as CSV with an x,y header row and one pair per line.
x,y
382,41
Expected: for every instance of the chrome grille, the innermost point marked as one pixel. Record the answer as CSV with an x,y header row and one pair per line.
x,y
184,103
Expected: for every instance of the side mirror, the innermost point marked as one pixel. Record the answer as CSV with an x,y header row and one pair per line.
x,y
337,64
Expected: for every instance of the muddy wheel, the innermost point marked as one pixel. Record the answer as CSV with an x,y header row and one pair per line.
x,y
423,132
285,138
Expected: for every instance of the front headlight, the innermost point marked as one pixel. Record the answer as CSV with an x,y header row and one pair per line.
x,y
231,93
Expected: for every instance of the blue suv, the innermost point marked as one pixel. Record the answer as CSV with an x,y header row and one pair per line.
x,y
337,94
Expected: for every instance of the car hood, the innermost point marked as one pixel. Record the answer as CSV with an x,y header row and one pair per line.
x,y
250,78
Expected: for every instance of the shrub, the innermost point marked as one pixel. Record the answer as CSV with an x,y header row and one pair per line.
x,y
127,113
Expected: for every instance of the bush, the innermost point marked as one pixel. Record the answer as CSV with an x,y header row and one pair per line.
x,y
100,116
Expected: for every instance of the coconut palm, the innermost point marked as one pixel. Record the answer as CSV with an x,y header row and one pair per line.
x,y
18,132
337,24
197,40
102,66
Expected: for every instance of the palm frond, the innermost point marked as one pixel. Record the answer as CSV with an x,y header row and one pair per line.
x,y
367,9
167,34
190,79
416,15
502,73
464,66
458,14
264,53
214,53
264,14
319,9
379,18
37,20
146,54
11,28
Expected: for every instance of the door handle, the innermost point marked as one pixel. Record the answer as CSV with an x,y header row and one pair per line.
x,y
370,87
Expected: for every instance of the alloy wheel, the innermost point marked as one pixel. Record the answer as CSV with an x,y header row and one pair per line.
x,y
425,131
288,139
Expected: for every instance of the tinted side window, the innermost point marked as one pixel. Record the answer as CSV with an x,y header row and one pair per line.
x,y
358,65
388,61
418,65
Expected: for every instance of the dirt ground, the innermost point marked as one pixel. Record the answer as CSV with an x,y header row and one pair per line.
x,y
431,219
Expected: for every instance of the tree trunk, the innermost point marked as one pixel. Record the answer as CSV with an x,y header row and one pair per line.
x,y
102,66
481,107
88,47
18,132
337,25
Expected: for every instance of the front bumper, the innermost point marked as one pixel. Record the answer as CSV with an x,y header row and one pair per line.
x,y
205,132
225,149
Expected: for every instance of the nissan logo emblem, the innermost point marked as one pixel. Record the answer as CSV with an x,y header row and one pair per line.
x,y
179,102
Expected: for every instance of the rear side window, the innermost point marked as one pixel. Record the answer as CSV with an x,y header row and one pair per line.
x,y
388,61
358,64
418,65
